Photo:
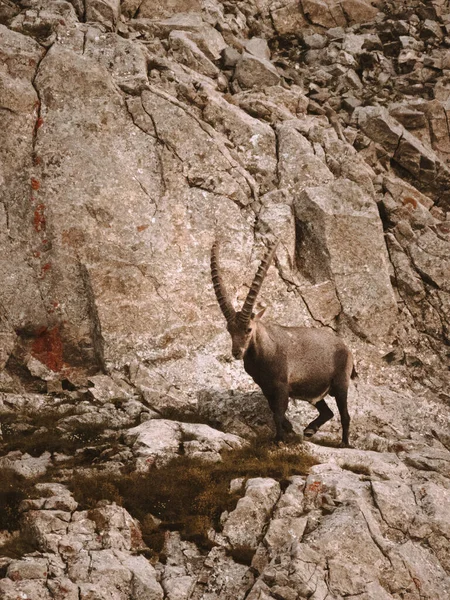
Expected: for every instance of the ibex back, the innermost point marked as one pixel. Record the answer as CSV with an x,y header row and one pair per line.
x,y
297,362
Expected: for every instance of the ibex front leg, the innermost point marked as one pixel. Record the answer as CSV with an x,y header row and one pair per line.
x,y
278,401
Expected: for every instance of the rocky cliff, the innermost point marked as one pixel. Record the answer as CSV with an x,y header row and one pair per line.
x,y
133,134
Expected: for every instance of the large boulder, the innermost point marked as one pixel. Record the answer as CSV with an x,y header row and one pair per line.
x,y
339,231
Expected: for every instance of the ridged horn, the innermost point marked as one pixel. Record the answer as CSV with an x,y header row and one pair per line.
x,y
222,298
246,312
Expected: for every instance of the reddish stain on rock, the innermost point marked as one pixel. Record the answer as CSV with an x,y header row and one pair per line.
x,y
314,487
39,122
35,184
46,268
39,218
142,227
47,347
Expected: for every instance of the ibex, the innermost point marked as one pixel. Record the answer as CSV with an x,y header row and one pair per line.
x,y
298,362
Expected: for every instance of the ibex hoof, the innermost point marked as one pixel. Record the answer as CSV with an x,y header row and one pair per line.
x,y
345,445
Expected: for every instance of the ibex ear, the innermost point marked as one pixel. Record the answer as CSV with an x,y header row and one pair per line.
x,y
260,314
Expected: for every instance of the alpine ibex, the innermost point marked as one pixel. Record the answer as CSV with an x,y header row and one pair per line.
x,y
298,362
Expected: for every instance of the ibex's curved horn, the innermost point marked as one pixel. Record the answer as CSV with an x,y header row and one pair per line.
x,y
227,308
246,311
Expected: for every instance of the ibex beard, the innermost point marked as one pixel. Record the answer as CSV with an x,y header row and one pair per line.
x,y
304,363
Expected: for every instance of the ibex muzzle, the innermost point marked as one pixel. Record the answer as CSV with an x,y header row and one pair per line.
x,y
297,362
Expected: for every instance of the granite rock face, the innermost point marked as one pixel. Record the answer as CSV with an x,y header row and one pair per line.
x,y
133,135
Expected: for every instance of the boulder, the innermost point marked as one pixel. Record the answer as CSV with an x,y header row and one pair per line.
x,y
404,148
160,440
299,166
188,53
340,228
288,18
105,12
28,466
252,71
243,528
162,9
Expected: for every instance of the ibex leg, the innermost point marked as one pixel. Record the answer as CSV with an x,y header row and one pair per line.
x,y
325,414
341,401
278,402
287,425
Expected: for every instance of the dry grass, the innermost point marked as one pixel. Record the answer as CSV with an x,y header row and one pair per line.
x,y
17,546
13,489
359,469
187,494
38,432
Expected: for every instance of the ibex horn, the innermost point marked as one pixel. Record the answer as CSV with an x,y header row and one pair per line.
x,y
227,308
247,309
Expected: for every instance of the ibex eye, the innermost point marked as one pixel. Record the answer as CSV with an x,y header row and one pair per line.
x,y
249,330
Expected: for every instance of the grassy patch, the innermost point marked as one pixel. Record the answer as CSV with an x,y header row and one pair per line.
x,y
326,440
36,432
13,489
359,469
188,495
51,439
175,414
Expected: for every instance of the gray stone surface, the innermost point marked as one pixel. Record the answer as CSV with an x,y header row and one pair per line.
x,y
341,229
135,133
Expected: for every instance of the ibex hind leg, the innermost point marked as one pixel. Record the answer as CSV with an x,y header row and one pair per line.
x,y
341,401
339,389
325,414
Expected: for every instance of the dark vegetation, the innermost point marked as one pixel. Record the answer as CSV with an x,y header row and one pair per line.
x,y
36,433
13,489
17,546
188,494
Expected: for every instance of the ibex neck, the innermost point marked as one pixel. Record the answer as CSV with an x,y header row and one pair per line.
x,y
262,343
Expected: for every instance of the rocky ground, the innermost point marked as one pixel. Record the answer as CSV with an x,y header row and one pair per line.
x,y
133,134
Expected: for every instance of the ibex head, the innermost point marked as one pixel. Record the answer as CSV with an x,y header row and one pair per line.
x,y
241,325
